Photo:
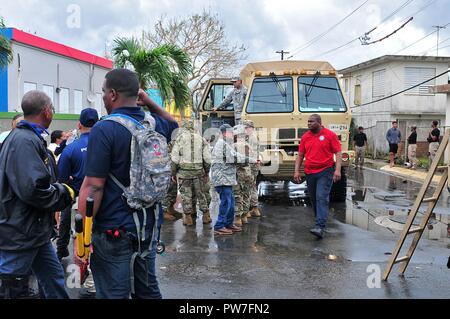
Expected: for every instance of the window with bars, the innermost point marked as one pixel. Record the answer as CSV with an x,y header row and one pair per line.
x,y
416,75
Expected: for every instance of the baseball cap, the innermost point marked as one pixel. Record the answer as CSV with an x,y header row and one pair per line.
x,y
88,117
236,78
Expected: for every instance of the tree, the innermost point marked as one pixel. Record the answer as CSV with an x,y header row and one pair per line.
x,y
166,65
203,38
6,52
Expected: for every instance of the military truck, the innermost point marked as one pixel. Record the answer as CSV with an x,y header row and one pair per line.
x,y
281,96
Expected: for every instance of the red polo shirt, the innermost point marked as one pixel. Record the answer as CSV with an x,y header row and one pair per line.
x,y
319,150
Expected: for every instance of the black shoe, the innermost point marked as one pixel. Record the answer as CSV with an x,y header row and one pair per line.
x,y
29,294
318,232
86,293
62,253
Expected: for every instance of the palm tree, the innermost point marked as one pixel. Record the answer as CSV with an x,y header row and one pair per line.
x,y
6,53
167,66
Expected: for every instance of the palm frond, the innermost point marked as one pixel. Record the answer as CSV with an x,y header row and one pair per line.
x,y
6,52
181,92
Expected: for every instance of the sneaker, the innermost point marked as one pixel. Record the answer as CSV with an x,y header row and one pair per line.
x,y
235,229
86,293
62,253
223,231
318,232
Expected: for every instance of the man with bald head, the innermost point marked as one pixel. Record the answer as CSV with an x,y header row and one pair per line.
x,y
318,146
29,197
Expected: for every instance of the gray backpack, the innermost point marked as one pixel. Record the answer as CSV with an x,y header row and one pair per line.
x,y
150,172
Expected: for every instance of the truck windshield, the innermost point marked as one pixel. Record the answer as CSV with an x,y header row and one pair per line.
x,y
271,95
320,94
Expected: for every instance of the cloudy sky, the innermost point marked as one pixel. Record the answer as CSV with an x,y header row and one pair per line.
x,y
263,26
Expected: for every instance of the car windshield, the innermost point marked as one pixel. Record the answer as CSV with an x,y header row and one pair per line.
x,y
271,95
320,94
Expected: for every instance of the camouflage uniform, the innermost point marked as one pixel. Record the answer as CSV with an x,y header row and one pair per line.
x,y
253,141
242,190
191,160
172,193
237,98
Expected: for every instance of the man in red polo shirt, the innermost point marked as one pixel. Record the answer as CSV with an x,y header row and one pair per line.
x,y
318,147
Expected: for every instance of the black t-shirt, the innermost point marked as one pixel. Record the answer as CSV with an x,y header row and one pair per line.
x,y
412,139
360,139
436,132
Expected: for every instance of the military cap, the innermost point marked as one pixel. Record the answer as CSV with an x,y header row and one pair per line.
x,y
248,123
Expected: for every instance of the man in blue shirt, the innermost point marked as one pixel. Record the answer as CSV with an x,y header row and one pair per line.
x,y
114,237
71,171
393,136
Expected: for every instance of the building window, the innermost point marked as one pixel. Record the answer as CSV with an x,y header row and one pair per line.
x,y
346,85
29,86
357,100
48,89
414,76
378,81
77,101
99,103
64,100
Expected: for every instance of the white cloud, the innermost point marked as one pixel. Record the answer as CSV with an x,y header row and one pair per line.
x,y
264,26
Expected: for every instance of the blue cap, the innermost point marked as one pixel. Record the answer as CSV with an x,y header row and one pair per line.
x,y
88,117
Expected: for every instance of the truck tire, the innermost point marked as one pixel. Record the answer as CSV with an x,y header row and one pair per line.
x,y
339,190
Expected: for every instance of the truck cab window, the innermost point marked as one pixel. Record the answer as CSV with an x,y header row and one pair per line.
x,y
216,95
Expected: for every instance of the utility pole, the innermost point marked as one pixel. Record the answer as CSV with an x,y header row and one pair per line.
x,y
282,52
438,27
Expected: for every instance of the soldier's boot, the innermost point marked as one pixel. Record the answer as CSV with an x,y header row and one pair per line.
x,y
168,216
187,220
244,219
249,213
238,221
206,218
256,212
172,211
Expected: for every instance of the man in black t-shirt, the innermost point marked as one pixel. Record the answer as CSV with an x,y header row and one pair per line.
x,y
412,147
360,145
433,139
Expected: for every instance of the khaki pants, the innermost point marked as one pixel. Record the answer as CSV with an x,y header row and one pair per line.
x,y
360,153
412,150
432,149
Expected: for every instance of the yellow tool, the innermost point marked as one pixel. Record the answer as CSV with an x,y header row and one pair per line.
x,y
88,226
79,236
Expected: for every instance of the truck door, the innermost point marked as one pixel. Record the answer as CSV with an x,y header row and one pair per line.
x,y
215,92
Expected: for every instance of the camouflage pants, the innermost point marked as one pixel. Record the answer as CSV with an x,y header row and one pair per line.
x,y
171,197
243,190
206,187
254,188
191,191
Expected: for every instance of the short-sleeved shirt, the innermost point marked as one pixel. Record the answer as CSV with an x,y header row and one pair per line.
x,y
360,139
109,153
72,162
412,139
436,132
319,150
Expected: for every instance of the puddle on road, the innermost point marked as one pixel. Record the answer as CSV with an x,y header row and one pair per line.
x,y
386,203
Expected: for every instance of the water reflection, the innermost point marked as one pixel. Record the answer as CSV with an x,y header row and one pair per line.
x,y
374,209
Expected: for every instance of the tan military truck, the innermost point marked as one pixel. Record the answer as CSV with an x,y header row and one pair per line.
x,y
281,96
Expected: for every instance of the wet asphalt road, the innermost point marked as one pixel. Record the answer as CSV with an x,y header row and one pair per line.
x,y
276,256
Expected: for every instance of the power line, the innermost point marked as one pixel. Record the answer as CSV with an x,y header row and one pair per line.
x,y
403,91
390,15
282,52
429,34
318,37
363,40
438,27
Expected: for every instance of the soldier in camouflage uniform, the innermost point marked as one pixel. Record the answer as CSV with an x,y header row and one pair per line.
x,y
223,178
191,160
170,214
242,190
253,141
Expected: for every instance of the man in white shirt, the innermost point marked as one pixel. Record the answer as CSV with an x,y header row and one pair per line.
x,y
16,119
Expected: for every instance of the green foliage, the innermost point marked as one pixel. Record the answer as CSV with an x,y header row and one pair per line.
x,y
166,65
6,52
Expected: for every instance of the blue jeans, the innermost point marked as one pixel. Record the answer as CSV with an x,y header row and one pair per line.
x,y
110,265
44,264
319,188
226,207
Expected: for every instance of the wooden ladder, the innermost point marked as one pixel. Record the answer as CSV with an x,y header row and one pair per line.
x,y
417,231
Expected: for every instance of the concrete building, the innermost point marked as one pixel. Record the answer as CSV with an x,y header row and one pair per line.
x,y
381,77
73,79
